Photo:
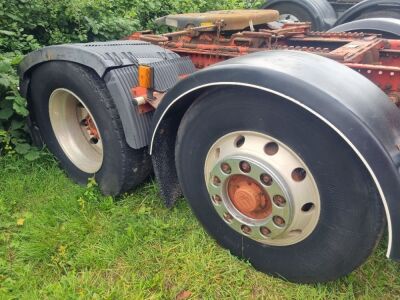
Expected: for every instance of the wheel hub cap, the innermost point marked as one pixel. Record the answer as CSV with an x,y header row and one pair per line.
x,y
248,197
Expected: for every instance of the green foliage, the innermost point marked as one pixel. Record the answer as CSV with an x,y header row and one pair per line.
x,y
62,241
27,25
13,110
147,11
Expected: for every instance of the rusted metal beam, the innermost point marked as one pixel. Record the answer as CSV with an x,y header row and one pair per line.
x,y
376,58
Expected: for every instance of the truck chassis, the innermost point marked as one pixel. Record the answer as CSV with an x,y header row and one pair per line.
x,y
375,58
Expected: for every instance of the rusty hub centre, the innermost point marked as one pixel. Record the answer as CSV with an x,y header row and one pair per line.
x,y
91,127
249,197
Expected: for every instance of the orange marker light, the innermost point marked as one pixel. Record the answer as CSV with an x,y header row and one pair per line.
x,y
145,77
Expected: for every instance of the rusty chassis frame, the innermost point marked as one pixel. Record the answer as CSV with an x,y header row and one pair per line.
x,y
376,58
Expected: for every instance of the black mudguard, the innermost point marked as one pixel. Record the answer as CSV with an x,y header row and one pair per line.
x,y
367,5
388,27
356,109
116,62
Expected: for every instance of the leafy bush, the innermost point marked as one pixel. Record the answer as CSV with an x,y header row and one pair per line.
x,y
26,25
13,110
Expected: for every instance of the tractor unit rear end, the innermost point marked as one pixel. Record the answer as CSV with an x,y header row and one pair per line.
x,y
284,141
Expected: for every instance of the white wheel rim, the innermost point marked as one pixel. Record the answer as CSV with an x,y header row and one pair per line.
x,y
280,177
76,130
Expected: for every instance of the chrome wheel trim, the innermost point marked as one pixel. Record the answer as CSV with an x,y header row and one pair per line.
x,y
67,112
280,166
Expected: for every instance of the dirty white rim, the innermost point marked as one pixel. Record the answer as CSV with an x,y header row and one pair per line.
x,y
76,130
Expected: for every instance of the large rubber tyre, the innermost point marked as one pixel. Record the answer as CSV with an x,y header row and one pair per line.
x,y
319,13
122,167
351,218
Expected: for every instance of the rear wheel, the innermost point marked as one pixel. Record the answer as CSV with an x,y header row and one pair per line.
x,y
319,13
276,186
80,125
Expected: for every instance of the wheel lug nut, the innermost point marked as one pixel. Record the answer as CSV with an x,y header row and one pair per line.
x,y
246,229
279,200
228,217
265,231
245,166
266,179
279,221
226,168
216,181
217,199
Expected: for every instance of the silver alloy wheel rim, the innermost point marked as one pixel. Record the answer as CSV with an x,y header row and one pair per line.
x,y
69,119
291,180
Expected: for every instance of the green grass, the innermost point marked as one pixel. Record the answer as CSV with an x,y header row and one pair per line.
x,y
62,241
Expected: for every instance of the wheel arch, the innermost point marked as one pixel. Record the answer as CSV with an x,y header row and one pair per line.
x,y
364,6
287,74
385,26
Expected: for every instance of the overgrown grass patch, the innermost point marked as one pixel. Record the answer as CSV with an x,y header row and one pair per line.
x,y
59,240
